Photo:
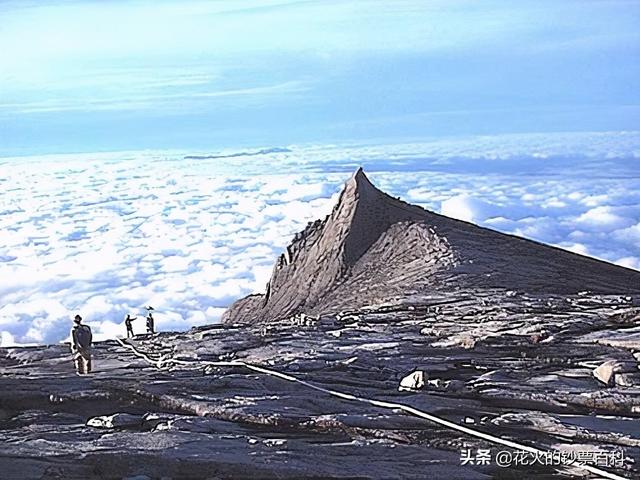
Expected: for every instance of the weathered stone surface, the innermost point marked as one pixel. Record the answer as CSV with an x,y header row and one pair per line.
x,y
182,414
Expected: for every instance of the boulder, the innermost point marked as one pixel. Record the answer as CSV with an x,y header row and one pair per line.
x,y
413,381
117,420
606,372
467,342
152,420
435,383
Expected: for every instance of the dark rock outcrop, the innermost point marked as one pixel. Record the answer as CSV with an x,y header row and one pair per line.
x,y
468,359
374,248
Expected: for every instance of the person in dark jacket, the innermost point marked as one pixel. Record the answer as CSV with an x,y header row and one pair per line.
x,y
81,339
150,323
127,322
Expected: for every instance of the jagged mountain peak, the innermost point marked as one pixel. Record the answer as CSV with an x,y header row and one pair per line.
x,y
359,175
359,182
360,188
363,213
374,248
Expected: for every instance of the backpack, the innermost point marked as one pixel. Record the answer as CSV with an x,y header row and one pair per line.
x,y
82,337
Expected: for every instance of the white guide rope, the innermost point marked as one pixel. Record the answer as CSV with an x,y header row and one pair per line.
x,y
378,403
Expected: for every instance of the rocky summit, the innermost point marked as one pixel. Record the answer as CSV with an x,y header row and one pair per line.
x,y
374,248
391,342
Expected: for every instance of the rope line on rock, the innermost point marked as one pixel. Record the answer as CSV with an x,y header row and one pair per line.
x,y
378,403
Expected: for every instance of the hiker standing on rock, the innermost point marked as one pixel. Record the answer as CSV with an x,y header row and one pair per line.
x,y
81,346
127,322
150,321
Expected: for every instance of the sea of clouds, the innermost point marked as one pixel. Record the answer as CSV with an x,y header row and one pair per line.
x,y
104,235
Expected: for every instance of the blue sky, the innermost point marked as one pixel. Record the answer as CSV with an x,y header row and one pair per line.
x,y
91,76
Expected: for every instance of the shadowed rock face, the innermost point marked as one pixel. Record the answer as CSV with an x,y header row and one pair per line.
x,y
374,248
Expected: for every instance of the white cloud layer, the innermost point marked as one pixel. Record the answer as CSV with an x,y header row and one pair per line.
x,y
104,235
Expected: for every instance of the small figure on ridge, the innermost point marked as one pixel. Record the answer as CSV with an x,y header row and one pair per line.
x,y
127,322
81,339
150,321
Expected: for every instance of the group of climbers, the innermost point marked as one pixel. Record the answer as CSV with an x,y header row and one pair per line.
x,y
82,339
150,323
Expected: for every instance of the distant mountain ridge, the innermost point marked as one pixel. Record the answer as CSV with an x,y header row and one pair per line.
x,y
264,151
374,248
